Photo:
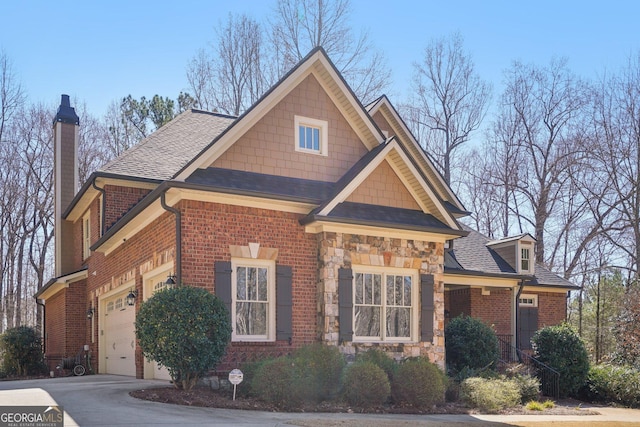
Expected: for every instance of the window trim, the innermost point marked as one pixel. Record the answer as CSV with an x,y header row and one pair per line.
x,y
271,298
532,297
322,125
415,304
86,235
523,259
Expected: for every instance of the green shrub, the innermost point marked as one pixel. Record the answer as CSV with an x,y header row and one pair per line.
x,y
21,350
534,405
186,329
470,344
529,386
325,365
561,348
548,404
418,383
490,395
285,383
249,370
614,384
366,385
380,359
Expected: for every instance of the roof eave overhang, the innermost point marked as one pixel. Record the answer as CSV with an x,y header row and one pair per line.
x,y
526,279
149,208
59,283
316,224
88,192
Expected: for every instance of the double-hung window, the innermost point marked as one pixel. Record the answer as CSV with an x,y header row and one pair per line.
x,y
385,305
525,260
86,236
253,307
311,135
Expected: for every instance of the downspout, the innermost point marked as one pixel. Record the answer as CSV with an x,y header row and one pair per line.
x,y
516,310
178,215
103,207
44,326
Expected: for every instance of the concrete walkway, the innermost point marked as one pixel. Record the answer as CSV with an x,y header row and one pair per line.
x,y
103,400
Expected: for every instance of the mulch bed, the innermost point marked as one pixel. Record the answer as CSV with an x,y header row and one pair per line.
x,y
207,397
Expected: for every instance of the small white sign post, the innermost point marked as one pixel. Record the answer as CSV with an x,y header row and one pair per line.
x,y
235,378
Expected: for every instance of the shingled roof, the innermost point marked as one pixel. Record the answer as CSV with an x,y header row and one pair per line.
x,y
472,253
163,153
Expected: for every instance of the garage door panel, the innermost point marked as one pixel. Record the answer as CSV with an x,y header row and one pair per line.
x,y
119,337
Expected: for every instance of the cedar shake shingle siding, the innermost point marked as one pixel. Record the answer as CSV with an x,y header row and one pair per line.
x,y
269,146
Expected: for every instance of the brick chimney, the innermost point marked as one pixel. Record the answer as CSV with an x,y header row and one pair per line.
x,y
65,128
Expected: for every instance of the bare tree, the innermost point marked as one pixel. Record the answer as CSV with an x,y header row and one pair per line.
x,y
11,95
450,102
231,78
301,25
617,150
547,104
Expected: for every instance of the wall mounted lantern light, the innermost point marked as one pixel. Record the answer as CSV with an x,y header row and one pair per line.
x,y
131,298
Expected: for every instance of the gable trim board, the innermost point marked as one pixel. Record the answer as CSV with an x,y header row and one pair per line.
x,y
393,152
388,111
316,63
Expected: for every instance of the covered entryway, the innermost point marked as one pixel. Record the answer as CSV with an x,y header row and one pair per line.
x,y
119,336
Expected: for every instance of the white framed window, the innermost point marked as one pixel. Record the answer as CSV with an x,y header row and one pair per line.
x,y
86,236
526,300
385,305
253,307
525,260
311,135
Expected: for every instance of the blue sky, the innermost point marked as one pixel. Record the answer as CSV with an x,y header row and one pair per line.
x,y
99,51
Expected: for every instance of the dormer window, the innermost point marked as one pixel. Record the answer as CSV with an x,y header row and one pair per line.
x,y
311,135
525,259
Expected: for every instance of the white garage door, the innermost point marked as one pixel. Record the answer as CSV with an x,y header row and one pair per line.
x,y
120,338
160,372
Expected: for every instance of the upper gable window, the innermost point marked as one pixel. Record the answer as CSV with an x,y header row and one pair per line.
x,y
525,260
86,236
311,135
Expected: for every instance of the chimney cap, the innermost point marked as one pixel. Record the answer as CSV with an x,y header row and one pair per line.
x,y
66,113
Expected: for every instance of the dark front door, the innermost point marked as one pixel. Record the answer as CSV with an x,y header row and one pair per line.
x,y
527,326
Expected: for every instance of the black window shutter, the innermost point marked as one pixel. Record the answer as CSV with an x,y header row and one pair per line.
x,y
426,308
222,273
284,303
345,301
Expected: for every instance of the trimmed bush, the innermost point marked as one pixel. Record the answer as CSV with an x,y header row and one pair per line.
x,y
285,383
613,384
470,344
21,350
380,359
325,365
490,395
366,385
418,383
561,348
186,329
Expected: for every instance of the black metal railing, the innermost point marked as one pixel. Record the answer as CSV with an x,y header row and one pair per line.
x,y
549,377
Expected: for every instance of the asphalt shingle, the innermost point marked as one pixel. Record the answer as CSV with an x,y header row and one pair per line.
x,y
163,153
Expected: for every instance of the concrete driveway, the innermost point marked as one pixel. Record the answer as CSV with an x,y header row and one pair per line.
x,y
103,400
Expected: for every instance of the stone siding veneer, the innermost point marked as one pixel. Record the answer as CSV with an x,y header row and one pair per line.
x,y
338,250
